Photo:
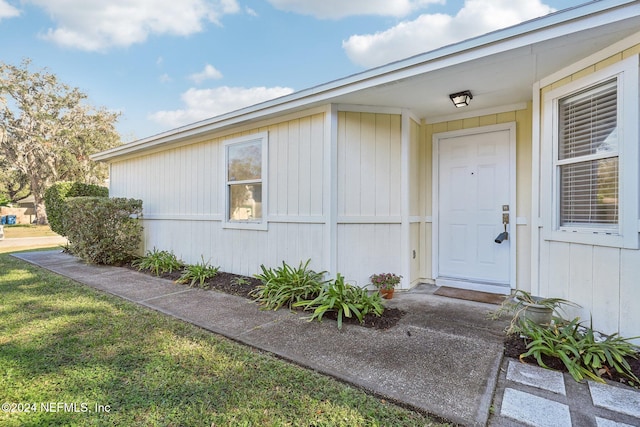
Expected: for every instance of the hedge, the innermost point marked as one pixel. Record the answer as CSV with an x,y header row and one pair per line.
x,y
103,230
55,200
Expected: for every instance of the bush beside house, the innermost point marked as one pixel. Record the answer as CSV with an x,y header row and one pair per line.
x,y
56,196
103,230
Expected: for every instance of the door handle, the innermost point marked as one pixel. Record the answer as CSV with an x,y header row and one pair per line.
x,y
505,220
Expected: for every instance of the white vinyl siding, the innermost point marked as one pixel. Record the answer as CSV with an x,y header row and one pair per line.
x,y
183,189
369,222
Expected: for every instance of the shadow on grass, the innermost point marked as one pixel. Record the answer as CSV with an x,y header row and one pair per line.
x,y
62,342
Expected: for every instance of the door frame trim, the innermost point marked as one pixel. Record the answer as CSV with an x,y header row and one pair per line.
x,y
511,127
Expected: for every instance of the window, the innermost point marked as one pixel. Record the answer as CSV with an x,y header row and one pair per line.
x,y
245,171
587,159
591,125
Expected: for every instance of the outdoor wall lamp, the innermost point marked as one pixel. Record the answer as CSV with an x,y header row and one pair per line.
x,y
461,99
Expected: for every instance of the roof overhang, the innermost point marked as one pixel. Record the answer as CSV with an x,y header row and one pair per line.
x,y
499,68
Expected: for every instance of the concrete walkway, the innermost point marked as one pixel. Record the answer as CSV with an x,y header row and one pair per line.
x,y
443,358
539,397
18,243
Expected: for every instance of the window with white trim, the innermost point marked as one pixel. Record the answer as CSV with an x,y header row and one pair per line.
x,y
245,181
587,159
592,124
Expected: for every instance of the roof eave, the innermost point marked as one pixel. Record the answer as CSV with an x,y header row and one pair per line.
x,y
523,34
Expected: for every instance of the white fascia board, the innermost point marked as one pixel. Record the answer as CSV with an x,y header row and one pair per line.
x,y
551,26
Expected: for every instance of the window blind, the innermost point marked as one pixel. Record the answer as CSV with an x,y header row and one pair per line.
x,y
588,157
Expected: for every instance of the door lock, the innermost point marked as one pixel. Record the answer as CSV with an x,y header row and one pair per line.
x,y
505,220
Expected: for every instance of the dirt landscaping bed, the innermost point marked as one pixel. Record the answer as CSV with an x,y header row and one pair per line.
x,y
243,286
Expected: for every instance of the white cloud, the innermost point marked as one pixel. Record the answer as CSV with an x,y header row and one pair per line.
x,y
209,73
250,11
165,78
201,104
7,11
431,31
336,9
95,25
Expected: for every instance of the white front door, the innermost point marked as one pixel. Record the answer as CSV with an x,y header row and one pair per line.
x,y
474,190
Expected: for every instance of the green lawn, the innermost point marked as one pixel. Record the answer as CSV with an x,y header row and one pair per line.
x,y
71,349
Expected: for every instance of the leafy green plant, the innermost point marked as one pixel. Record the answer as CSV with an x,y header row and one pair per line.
x,y
584,352
286,285
521,301
158,262
344,299
55,200
198,273
385,281
103,230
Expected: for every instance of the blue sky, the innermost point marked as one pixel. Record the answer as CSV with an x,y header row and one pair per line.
x,y
167,63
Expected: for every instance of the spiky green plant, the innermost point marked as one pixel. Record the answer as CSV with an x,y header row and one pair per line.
x,y
158,262
344,299
286,285
585,352
198,273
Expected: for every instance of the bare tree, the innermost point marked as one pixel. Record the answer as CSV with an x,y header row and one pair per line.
x,y
47,132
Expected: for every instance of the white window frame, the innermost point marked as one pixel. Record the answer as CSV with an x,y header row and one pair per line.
x,y
258,224
626,234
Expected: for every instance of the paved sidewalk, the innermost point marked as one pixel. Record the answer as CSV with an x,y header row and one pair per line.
x,y
30,242
528,395
443,358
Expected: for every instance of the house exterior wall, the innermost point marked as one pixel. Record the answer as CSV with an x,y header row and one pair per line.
x,y
603,280
369,195
183,193
522,118
182,189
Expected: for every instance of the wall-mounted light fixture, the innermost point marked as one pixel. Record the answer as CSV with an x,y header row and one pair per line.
x,y
461,99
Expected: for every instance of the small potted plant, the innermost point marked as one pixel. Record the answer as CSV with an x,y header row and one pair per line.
x,y
525,307
385,283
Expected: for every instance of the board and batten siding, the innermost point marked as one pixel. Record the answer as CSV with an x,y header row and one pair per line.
x,y
369,195
603,280
182,190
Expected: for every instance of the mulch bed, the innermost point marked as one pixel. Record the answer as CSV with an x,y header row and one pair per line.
x,y
514,346
242,286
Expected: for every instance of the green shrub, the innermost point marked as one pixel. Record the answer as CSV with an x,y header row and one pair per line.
x,y
521,301
583,351
158,262
344,299
55,200
198,273
286,285
103,230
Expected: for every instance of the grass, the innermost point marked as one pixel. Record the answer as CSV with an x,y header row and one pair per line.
x,y
24,230
64,342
